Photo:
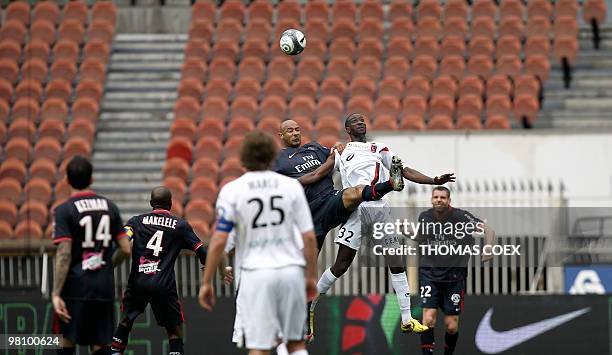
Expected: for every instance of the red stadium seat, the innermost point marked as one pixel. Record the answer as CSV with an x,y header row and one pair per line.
x,y
511,26
480,65
188,107
13,168
10,190
594,10
203,11
509,65
54,109
290,9
396,67
86,108
97,50
6,91
385,123
76,146
440,122
44,31
239,126
483,26
100,31
455,27
468,122
538,66
526,107
328,126
203,188
13,30
471,85
180,147
342,47
38,189
59,89
224,48
441,105
205,167
400,10
232,147
28,88
201,30
497,122
498,105
360,104
208,147
429,8
75,10
401,28
469,105
387,106
4,111
453,66
511,8
281,68
26,108
176,167
343,28
261,10
499,84
313,68
228,29
6,230
526,85
368,67
452,46
539,8
9,70
245,87
220,87
444,86
183,127
455,9
425,66
414,106
212,128
274,106
222,68
317,9
215,107
255,48
10,49
22,128
370,29
269,125
62,69
418,86
197,48
194,68
191,87
43,169
18,11
48,148
484,8
8,212
330,106
177,188
428,27
317,29
104,11
426,46
302,106
89,89
391,87
35,69
308,87
53,129
362,86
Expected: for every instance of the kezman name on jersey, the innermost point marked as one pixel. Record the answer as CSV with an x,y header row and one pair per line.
x,y
160,221
263,184
91,204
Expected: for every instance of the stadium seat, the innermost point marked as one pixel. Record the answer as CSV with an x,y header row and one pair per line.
x,y
302,106
208,147
9,70
441,106
361,104
538,26
10,49
255,48
428,27
343,28
426,46
4,111
205,167
13,30
43,169
330,106
223,48
565,8
229,29
316,49
289,9
35,69
86,108
222,68
100,31
211,128
220,88
498,105
368,67
258,29
565,26
18,11
177,208
328,140
400,10
281,68
239,126
215,107
58,89
306,126
273,106
391,87
6,231
177,187
480,65
61,69
13,168
400,28
38,189
191,87
54,109
455,27
481,45
2,134
306,86
33,210
232,146
370,28
539,8
22,128
412,122
317,29
453,66
8,212
511,26
201,30
418,86
28,88
28,230
452,46
204,188
483,8
565,47
594,10
499,84
538,66
483,26
245,87
342,47
509,65
260,10
313,68
244,107
414,106
71,30
195,48
6,90
189,107
344,9
439,122
508,45
469,105
269,124
371,10
193,68
444,86
429,8
199,210
387,106
468,122
385,123
180,147
497,122
526,107
537,45
526,85
76,146
176,167
232,167
26,108
399,47
455,9
10,189
511,8
93,69
425,66
317,9
231,10
104,11
44,31
62,190
183,127
205,11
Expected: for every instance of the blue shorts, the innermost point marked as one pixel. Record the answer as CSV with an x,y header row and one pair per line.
x,y
445,295
328,214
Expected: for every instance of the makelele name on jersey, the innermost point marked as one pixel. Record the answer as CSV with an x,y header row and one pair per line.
x,y
91,204
160,221
311,161
362,147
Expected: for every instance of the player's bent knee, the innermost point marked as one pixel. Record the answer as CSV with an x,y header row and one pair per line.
x,y
452,326
351,197
293,346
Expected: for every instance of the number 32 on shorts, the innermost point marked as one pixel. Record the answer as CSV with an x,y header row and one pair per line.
x,y
348,236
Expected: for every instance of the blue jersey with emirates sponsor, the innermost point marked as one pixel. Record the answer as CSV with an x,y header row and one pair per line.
x,y
296,162
92,223
454,227
158,238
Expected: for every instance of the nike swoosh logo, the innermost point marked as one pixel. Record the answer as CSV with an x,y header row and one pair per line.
x,y
291,155
490,341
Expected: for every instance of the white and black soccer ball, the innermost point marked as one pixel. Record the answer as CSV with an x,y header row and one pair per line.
x,y
292,42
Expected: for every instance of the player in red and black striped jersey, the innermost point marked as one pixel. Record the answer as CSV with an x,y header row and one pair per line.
x,y
86,227
157,237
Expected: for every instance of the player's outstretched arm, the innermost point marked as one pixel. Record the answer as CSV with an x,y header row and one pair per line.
x,y
420,178
215,253
62,264
321,171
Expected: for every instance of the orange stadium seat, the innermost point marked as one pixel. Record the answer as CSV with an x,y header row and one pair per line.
x,y
270,125
537,65
368,67
89,89
62,190
468,122
429,8
440,122
76,10
508,45
232,167
497,122
342,47
371,10
196,48
93,69
28,88
54,109
511,8
201,30
306,126
273,106
469,105
86,108
38,189
396,66
177,187
219,87
183,127
385,123
343,28
483,26
100,31
208,147
414,106
594,10
223,48
391,87
455,27
4,111
2,134
18,11
6,230
255,48
526,85
308,87
177,208
33,210
289,9
370,29
539,8
188,107
316,48
317,9
97,49
418,86
302,106
444,86
191,87
35,69
361,104
54,129
330,106
537,46
13,30
509,65
313,68
180,147
203,188
526,107
511,26
232,146
44,31
261,10
499,84
205,167
344,9
76,146
566,26
233,10
428,27
14,168
400,10
441,105
328,140
211,128
484,8
399,47
400,28
247,87
481,45
565,47
425,66
176,167
281,68
362,86
22,128
62,69
426,46
259,29
453,66
66,49
104,11
371,47
451,46
215,107
28,230
566,8
43,169
222,68
387,106
48,148
10,190
328,126
8,212
202,10
193,68
9,70
200,210
239,126
26,108
72,30
480,65
228,29
244,107
471,85
455,9
10,49
498,105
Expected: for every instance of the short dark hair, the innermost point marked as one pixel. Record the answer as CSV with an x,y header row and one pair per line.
x,y
442,188
79,172
351,116
161,197
258,151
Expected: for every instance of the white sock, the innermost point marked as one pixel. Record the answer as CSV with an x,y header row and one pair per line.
x,y
326,281
282,349
402,291
300,352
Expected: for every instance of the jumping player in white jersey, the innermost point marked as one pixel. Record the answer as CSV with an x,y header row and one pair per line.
x,y
276,267
367,163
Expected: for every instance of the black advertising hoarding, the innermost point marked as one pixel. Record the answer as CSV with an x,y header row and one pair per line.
x,y
370,325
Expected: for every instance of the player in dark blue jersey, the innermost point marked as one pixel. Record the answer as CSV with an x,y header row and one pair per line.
x,y
312,164
85,228
442,277
157,239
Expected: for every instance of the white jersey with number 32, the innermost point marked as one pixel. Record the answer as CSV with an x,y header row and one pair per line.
x,y
266,209
364,163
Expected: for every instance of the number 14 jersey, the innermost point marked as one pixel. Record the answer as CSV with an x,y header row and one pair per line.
x,y
158,238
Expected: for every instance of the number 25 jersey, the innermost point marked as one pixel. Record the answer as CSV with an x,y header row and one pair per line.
x,y
158,238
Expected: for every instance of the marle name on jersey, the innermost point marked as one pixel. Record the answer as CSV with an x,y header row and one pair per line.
x,y
311,161
263,184
160,221
91,204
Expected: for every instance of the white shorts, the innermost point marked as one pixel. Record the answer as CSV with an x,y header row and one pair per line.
x,y
361,221
270,308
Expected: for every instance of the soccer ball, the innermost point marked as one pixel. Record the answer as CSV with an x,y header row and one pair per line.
x,y
292,42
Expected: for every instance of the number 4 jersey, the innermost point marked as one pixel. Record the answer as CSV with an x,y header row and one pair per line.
x,y
158,238
91,222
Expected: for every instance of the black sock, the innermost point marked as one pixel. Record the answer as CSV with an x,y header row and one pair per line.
x,y
428,342
65,351
102,351
450,341
176,346
376,192
120,339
